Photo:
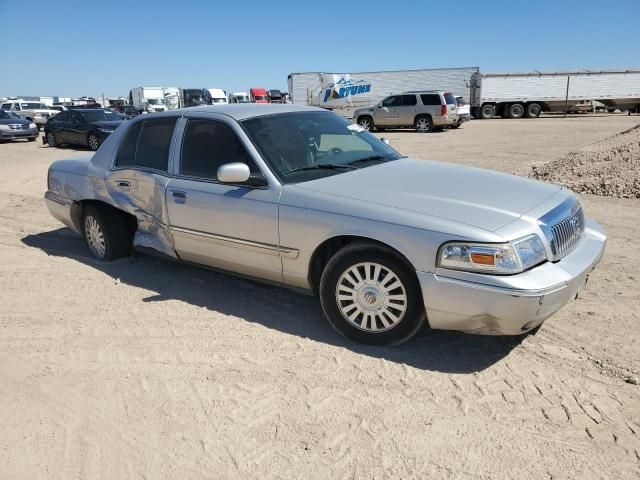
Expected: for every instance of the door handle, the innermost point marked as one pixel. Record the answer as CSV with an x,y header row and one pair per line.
x,y
123,185
179,196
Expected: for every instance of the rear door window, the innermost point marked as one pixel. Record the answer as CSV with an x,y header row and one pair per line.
x,y
146,145
61,117
430,99
450,99
409,100
153,144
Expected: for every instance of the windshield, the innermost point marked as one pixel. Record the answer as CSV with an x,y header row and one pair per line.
x,y
243,100
450,99
4,115
297,145
219,100
33,105
260,97
99,116
155,101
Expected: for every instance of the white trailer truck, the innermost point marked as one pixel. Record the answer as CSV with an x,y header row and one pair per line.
x,y
344,92
218,95
517,95
147,99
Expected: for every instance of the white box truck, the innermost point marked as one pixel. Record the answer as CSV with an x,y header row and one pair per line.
x,y
517,95
147,99
344,92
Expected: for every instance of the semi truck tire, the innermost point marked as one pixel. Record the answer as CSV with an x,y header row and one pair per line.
x,y
533,110
487,111
475,112
516,110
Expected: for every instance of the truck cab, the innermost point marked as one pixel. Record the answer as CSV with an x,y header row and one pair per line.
x,y
259,95
239,97
218,96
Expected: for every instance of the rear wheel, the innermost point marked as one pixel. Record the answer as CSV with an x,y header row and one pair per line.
x,y
369,294
51,139
93,142
516,110
106,233
366,123
487,111
423,124
533,110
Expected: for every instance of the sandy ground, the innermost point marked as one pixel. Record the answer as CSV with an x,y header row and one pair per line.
x,y
156,370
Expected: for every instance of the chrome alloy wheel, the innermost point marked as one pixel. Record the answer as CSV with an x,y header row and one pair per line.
x,y
365,123
94,143
51,139
423,125
94,236
371,297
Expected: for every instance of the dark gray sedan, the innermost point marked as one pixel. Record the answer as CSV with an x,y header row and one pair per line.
x,y
13,127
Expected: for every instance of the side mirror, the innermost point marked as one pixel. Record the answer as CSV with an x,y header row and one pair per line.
x,y
233,173
385,141
380,105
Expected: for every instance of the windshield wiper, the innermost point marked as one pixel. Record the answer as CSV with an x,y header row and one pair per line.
x,y
323,166
372,158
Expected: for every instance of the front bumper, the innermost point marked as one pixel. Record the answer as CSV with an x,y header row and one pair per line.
x,y
14,134
513,304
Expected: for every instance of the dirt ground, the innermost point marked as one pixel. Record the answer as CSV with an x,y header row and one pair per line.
x,y
155,370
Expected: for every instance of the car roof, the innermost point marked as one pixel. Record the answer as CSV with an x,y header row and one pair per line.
x,y
243,111
425,91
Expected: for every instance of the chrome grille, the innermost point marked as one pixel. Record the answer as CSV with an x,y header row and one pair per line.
x,y
566,233
18,126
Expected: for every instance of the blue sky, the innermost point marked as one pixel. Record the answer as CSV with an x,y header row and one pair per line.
x,y
73,48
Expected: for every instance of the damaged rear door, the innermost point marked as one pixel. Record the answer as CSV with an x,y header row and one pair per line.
x,y
138,181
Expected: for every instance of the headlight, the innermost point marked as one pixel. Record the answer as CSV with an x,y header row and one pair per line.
x,y
502,258
32,125
105,130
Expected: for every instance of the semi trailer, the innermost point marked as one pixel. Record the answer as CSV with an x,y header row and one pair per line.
x,y
517,95
345,92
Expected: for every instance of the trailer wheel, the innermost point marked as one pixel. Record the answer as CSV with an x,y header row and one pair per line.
x,y
487,111
533,110
516,110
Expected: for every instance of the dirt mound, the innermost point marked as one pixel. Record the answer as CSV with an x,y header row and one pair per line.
x,y
610,167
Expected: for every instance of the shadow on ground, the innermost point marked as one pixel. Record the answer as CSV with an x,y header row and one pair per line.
x,y
275,307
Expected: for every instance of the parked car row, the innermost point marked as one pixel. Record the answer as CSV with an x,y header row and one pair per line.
x,y
35,112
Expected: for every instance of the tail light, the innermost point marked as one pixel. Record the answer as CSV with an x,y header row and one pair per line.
x,y
443,110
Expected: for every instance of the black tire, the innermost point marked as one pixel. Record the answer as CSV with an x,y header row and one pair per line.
x,y
611,109
515,110
423,124
533,110
475,112
409,321
93,142
116,235
487,111
32,139
51,139
456,125
366,122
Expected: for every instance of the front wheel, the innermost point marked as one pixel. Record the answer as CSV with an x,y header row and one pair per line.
x,y
51,139
93,142
366,123
369,294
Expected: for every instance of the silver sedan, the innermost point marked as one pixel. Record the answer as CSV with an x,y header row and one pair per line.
x,y
303,198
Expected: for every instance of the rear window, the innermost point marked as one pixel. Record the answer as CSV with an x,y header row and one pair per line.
x,y
450,99
461,101
146,145
409,100
430,99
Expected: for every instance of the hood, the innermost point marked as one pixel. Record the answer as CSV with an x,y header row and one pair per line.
x,y
110,124
481,198
14,121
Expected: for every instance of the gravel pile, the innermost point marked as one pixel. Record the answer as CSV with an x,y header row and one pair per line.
x,y
610,167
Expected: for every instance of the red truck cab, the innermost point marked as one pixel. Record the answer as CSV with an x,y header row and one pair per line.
x,y
259,95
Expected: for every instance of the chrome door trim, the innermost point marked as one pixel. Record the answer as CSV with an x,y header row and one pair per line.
x,y
265,248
